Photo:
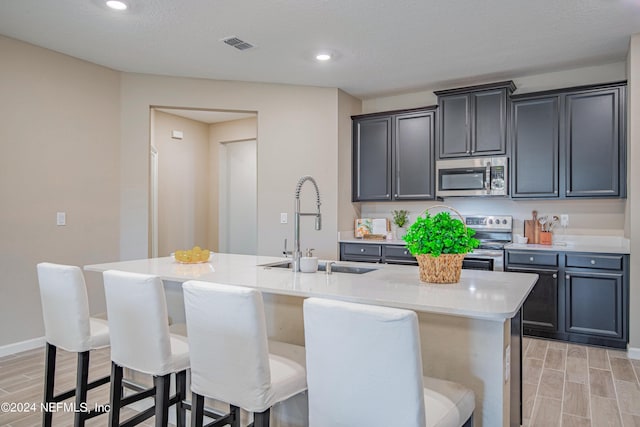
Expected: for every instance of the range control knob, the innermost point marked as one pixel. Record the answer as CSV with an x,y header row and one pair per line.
x,y
504,221
490,221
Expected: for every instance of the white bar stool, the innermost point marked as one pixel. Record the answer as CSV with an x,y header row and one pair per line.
x,y
65,310
364,368
231,358
140,340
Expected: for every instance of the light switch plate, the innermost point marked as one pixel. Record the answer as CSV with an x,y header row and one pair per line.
x,y
283,218
564,220
61,218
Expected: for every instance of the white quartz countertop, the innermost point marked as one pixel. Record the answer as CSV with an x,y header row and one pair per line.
x,y
372,241
598,244
479,294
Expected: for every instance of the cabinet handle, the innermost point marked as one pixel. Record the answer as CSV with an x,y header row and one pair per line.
x,y
567,277
361,249
406,252
555,276
468,151
593,262
386,195
395,195
531,259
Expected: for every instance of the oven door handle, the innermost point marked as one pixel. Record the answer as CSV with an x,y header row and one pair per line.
x,y
487,182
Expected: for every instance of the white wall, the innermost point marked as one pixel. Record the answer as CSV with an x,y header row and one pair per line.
x,y
297,135
634,184
347,211
60,152
183,183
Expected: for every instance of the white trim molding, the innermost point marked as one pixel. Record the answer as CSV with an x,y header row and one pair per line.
x,y
633,353
18,347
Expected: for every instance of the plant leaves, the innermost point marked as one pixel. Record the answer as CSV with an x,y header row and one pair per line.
x,y
439,234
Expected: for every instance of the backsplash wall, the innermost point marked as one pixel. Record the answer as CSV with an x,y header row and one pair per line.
x,y
592,217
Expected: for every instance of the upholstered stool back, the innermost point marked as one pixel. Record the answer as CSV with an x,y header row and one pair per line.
x,y
137,312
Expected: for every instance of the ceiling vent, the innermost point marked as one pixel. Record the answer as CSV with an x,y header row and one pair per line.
x,y
234,41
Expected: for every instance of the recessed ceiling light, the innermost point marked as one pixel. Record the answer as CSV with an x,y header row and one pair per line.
x,y
117,4
323,57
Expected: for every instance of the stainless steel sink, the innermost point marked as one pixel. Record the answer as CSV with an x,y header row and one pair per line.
x,y
322,266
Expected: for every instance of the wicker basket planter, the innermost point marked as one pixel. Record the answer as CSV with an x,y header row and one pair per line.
x,y
445,268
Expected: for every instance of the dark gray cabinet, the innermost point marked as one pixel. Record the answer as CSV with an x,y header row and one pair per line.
x,y
472,121
594,303
393,156
372,158
535,148
596,290
540,311
569,143
584,298
593,138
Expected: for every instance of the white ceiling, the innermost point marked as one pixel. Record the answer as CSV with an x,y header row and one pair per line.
x,y
381,46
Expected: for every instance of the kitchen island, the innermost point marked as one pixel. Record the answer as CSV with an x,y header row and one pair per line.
x,y
470,330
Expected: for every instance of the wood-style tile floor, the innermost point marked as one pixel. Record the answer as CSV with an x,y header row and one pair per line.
x,y
572,385
564,385
22,381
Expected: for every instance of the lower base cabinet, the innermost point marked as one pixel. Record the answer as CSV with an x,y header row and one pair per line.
x,y
540,310
584,298
594,304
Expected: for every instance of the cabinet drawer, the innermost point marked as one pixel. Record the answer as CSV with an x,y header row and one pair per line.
x,y
532,258
362,249
397,252
607,262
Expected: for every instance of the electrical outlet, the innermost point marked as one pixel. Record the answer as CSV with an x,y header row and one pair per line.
x,y
564,220
283,218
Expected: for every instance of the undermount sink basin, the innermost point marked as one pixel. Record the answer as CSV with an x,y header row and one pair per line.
x,y
322,266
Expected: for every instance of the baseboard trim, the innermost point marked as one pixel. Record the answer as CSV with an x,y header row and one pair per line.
x,y
17,347
633,353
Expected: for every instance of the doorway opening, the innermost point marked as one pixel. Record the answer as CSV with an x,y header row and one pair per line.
x,y
203,180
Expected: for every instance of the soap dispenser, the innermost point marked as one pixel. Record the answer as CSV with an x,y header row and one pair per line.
x,y
309,263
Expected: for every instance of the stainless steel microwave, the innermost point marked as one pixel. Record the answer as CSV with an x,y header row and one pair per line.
x,y
477,176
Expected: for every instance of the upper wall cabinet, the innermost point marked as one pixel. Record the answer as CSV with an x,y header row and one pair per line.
x,y
472,121
594,136
569,143
393,155
535,135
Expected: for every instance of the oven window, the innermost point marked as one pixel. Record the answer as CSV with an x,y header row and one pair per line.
x,y
464,179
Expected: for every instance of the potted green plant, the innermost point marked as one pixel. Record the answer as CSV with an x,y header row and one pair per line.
x,y
439,243
400,219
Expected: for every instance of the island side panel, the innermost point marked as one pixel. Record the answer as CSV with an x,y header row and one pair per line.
x,y
470,352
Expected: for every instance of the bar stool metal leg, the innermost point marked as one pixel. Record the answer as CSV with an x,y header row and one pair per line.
x,y
116,395
197,410
49,379
161,384
82,380
181,391
261,419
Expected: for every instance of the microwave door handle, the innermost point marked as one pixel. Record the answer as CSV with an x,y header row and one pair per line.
x,y
487,182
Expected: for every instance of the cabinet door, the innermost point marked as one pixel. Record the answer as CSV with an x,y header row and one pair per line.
x,y
414,157
489,133
372,159
534,155
593,135
540,310
594,303
454,127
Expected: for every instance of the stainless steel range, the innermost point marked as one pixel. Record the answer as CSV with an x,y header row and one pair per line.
x,y
493,232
